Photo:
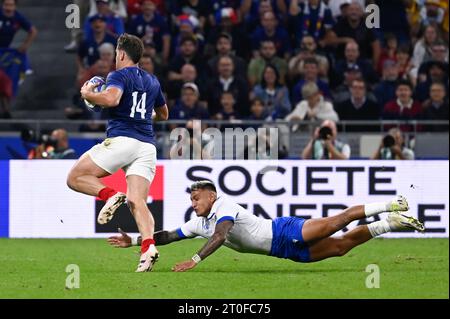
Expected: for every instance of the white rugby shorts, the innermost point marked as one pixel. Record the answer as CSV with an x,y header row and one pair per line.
x,y
133,156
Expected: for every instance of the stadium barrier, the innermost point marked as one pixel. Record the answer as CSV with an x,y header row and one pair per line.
x,y
36,203
429,139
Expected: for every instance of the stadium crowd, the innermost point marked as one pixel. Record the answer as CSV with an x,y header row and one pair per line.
x,y
278,59
293,60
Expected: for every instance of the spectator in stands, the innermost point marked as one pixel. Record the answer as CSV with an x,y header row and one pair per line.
x,y
53,146
439,53
224,47
394,19
226,82
388,52
403,107
404,63
116,7
274,95
436,107
227,111
158,64
308,50
187,107
313,107
342,92
311,67
188,54
358,106
437,73
268,55
88,50
257,111
114,24
353,29
325,145
339,8
187,26
312,17
352,58
435,13
146,64
227,22
107,53
188,75
253,10
6,94
385,90
134,7
221,8
12,21
200,9
62,149
422,49
76,34
100,68
392,147
271,30
152,27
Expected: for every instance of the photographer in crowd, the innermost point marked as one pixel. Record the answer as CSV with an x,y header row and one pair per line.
x,y
53,146
325,145
392,147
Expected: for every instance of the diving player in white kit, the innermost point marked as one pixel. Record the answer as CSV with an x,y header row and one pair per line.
x,y
224,222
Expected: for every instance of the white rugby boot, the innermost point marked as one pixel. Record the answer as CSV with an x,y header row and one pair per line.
x,y
148,259
111,205
398,203
401,221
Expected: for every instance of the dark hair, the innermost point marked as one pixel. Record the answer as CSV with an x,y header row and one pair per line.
x,y
360,80
257,99
277,76
266,41
188,38
132,46
204,184
311,61
225,35
404,48
404,82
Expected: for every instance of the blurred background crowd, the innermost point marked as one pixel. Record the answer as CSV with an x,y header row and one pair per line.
x,y
299,61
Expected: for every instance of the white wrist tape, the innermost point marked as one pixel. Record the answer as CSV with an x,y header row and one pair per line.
x,y
196,258
134,241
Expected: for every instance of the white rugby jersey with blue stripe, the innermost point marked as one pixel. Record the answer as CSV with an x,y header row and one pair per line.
x,y
250,234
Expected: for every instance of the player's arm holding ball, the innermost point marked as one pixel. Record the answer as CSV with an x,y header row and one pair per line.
x,y
110,97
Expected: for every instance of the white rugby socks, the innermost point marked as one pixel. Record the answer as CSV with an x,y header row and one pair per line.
x,y
378,228
375,208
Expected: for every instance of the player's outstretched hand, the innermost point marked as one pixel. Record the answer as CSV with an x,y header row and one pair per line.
x,y
122,241
183,266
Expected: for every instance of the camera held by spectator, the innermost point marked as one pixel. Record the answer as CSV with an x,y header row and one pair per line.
x,y
392,147
325,145
49,146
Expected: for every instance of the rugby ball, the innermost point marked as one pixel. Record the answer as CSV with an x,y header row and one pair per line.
x,y
101,86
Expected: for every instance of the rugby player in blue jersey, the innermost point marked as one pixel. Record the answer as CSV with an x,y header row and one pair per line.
x,y
134,99
224,222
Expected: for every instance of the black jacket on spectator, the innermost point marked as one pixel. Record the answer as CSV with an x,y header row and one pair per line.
x,y
240,66
178,61
384,92
368,111
362,35
239,89
364,66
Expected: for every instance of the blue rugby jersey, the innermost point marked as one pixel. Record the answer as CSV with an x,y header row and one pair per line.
x,y
141,94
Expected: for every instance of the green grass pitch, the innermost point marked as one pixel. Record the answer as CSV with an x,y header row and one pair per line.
x,y
36,268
